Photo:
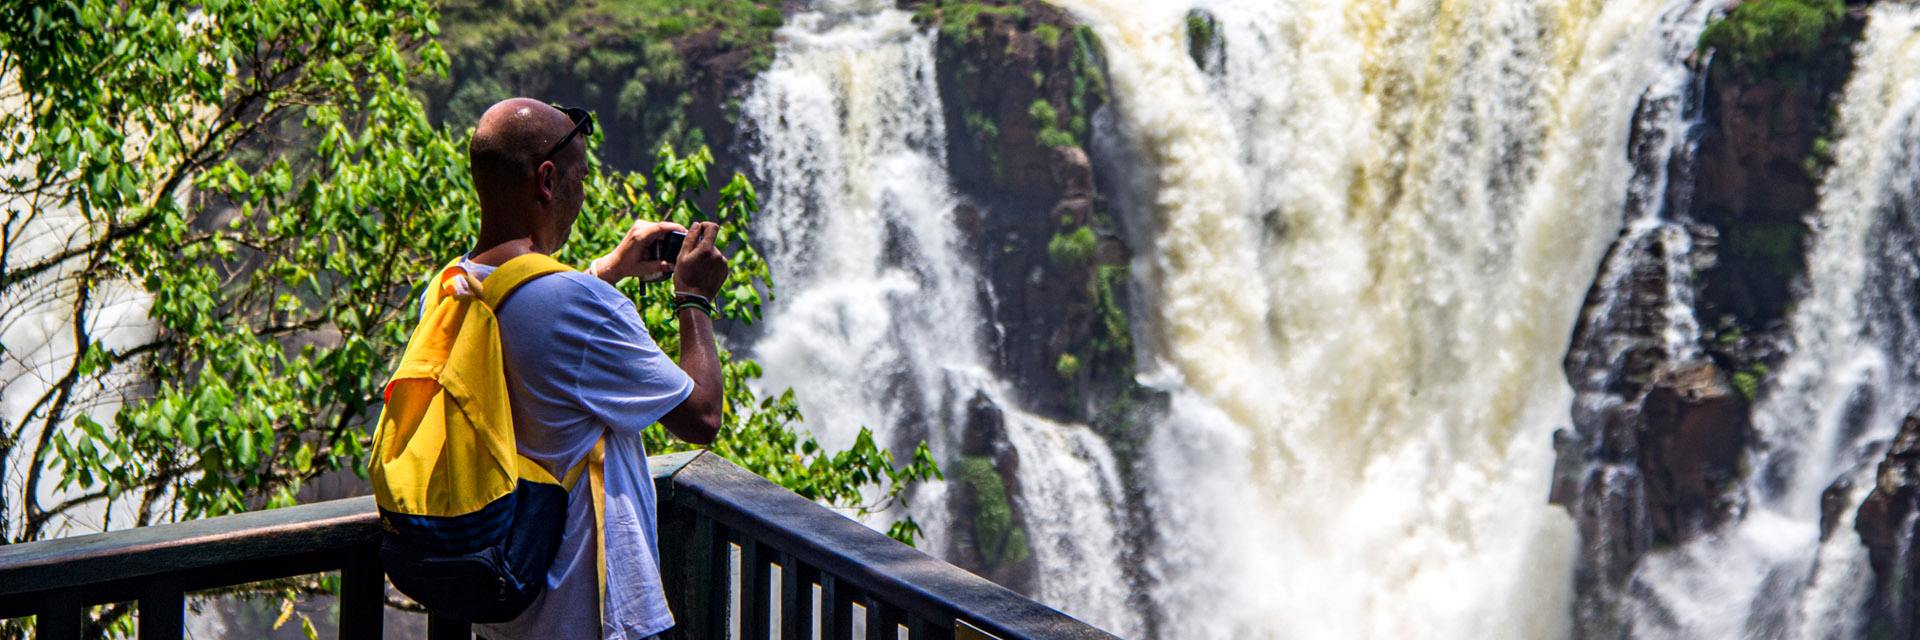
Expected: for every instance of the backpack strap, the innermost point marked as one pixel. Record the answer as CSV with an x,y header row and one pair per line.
x,y
515,273
494,291
597,482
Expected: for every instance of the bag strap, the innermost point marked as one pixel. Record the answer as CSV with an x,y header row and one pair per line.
x,y
515,273
596,464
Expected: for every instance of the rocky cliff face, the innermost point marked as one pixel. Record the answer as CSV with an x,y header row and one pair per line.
x,y
1021,83
1886,524
1659,433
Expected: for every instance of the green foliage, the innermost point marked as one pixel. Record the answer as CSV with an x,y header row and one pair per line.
x,y
1202,36
1089,82
1055,137
986,130
959,18
621,58
1047,34
999,542
264,365
279,215
1073,248
1047,121
1760,33
1114,340
1747,384
1067,366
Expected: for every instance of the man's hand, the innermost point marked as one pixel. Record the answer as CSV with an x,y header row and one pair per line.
x,y
701,269
629,258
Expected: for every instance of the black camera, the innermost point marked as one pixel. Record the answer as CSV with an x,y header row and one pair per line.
x,y
667,247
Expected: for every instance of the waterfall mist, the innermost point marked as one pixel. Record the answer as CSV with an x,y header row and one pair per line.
x,y
1370,226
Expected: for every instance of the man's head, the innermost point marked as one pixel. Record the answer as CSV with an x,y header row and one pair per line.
x,y
523,191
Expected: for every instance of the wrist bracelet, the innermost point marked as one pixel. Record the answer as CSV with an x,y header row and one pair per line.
x,y
688,300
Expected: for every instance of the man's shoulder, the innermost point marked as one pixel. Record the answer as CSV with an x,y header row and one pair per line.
x,y
566,289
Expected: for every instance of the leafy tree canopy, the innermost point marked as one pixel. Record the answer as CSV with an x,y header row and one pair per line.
x,y
258,180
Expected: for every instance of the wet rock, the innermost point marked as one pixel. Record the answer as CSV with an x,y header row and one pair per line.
x,y
1657,468
1072,212
1613,521
1757,172
1886,524
990,532
1072,172
1834,501
985,435
1204,44
1694,430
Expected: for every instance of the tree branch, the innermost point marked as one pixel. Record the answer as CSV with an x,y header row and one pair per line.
x,y
29,499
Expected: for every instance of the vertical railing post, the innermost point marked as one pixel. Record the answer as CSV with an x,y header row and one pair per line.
x,y
842,596
363,594
796,593
753,589
686,568
719,579
62,616
162,609
833,609
883,619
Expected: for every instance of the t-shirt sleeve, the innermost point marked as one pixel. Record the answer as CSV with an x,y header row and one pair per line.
x,y
624,378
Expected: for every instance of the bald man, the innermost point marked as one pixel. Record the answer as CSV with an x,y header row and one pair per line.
x,y
581,367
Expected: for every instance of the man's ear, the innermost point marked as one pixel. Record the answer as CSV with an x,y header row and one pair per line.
x,y
543,180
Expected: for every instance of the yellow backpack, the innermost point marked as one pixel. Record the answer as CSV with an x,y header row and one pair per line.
x,y
470,525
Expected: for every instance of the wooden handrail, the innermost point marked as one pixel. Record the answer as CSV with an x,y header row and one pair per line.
x,y
818,542
57,579
709,511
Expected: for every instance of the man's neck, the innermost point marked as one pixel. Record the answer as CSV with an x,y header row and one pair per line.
x,y
498,253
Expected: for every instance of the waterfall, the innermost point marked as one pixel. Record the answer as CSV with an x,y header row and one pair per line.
x,y
1852,374
1368,233
36,329
878,318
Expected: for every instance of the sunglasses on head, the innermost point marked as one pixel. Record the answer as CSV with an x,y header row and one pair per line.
x,y
582,126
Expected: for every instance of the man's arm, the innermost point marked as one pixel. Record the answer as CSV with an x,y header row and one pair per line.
x,y
700,271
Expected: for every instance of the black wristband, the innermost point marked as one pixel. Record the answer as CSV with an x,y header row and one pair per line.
x,y
688,300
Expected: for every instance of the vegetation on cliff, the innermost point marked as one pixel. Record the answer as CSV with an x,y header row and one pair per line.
x,y
1762,34
657,71
1777,67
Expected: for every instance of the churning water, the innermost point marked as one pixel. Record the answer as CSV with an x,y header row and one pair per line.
x,y
1371,229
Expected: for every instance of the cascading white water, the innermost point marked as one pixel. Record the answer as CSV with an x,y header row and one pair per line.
x,y
1853,373
37,344
1661,139
878,313
1368,232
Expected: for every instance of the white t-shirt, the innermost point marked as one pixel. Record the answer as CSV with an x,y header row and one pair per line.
x,y
580,365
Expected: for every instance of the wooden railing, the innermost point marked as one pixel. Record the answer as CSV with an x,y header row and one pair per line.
x,y
740,557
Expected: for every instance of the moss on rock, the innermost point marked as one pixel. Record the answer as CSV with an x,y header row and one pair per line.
x,y
998,540
1762,33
